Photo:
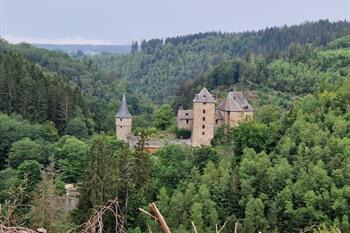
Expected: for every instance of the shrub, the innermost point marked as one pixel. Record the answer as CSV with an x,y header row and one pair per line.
x,y
182,133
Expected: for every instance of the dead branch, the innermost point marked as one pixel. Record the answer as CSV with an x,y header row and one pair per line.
x,y
149,229
222,227
148,214
156,215
8,216
161,221
5,229
194,227
308,229
236,226
95,222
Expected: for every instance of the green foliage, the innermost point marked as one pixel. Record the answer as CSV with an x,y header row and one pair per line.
x,y
32,170
60,187
8,178
252,134
77,127
267,114
13,129
254,216
162,67
183,133
114,172
35,94
45,211
284,171
326,229
343,42
71,158
99,185
171,165
26,149
163,117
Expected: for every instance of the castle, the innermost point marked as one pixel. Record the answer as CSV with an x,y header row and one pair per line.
x,y
123,121
205,117
202,121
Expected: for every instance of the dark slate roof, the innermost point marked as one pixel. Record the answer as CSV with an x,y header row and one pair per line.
x,y
235,102
218,115
185,114
204,97
123,110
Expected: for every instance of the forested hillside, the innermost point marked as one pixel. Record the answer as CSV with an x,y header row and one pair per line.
x,y
162,65
284,171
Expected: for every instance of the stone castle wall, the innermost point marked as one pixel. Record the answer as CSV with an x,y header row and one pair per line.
x,y
218,123
203,123
233,118
123,128
185,124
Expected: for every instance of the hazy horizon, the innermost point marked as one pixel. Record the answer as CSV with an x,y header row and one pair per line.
x,y
111,22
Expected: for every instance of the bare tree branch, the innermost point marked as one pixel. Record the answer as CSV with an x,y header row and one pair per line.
x,y
222,227
194,227
154,213
236,226
95,223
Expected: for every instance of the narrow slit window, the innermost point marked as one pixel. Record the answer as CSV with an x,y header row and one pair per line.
x,y
203,126
187,121
203,133
203,118
204,111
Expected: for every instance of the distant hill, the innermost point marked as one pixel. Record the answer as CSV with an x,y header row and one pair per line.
x,y
86,49
161,65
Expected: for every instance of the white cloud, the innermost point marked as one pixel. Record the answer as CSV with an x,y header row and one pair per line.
x,y
77,40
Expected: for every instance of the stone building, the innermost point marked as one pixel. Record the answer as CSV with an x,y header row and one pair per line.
x,y
184,119
123,121
205,117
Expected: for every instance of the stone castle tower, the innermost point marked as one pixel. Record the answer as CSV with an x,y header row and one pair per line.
x,y
123,121
203,118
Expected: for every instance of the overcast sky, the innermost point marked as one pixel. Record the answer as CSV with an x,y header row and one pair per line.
x,y
121,21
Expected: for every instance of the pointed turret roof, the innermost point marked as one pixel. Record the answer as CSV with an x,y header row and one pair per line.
x,y
204,96
235,102
123,110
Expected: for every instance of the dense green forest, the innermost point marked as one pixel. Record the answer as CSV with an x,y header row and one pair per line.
x,y
283,171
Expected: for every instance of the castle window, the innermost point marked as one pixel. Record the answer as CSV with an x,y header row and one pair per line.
x,y
203,118
121,126
203,133
121,119
203,126
203,110
216,121
187,121
186,113
204,103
